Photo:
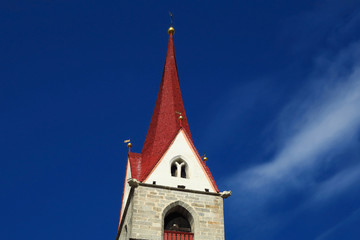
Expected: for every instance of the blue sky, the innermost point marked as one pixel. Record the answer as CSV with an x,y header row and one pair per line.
x,y
271,90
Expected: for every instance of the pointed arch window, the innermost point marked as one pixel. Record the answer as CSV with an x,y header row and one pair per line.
x,y
179,168
178,224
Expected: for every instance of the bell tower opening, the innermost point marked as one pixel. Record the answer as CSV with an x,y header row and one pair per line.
x,y
178,224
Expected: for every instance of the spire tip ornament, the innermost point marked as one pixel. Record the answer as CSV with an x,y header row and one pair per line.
x,y
171,30
129,145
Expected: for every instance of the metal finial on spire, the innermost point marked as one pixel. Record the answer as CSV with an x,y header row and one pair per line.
x,y
180,117
128,144
204,158
171,19
171,30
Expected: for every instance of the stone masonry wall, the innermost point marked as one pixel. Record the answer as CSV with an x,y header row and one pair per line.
x,y
150,205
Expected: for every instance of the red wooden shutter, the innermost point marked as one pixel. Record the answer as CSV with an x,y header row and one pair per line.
x,y
173,235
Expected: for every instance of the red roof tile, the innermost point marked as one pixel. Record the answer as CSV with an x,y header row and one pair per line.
x,y
135,165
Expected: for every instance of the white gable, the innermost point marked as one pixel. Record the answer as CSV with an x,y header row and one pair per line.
x,y
196,178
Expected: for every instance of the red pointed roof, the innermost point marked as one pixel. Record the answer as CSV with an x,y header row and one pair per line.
x,y
165,123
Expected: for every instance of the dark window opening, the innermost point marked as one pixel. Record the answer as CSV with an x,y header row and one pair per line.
x,y
206,190
173,170
181,186
183,172
154,182
177,222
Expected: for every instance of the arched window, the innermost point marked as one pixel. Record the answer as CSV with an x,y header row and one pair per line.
x,y
179,168
178,224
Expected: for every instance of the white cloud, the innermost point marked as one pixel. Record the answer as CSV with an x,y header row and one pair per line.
x,y
336,185
319,122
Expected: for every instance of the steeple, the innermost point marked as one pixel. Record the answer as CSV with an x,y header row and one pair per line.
x,y
169,107
168,178
168,120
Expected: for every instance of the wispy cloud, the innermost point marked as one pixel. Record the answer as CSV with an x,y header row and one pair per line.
x,y
337,184
320,122
324,122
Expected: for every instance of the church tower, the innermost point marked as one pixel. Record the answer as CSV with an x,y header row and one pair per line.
x,y
169,192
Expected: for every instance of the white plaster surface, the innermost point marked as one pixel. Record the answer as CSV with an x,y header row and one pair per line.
x,y
197,178
126,188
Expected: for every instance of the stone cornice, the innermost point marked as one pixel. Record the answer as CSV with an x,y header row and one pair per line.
x,y
179,189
